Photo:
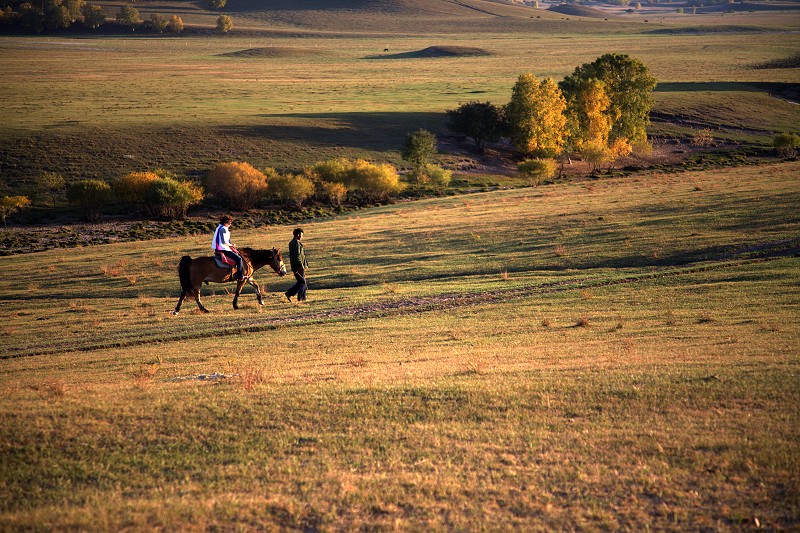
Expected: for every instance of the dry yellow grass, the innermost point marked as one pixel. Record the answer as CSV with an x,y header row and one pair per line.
x,y
672,408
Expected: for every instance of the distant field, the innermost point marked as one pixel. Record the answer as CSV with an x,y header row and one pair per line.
x,y
105,106
614,354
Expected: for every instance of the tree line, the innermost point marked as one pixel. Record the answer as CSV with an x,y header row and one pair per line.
x,y
41,15
599,113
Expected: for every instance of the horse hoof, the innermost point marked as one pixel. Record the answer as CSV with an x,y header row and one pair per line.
x,y
174,313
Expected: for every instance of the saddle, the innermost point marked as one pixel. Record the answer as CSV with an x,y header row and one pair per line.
x,y
223,261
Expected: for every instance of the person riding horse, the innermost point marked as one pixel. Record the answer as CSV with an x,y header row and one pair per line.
x,y
222,245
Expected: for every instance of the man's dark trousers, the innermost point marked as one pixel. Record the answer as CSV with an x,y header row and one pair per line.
x,y
298,288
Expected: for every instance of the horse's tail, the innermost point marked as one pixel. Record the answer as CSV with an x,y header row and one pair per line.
x,y
185,276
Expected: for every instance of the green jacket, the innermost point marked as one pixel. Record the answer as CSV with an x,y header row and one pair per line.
x,y
297,256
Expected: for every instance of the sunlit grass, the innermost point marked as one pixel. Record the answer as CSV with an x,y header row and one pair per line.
x,y
618,388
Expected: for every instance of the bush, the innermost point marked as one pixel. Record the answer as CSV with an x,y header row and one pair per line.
x,y
369,180
171,198
134,186
224,24
537,170
438,177
334,170
175,24
238,185
11,204
334,192
291,189
786,144
91,196
374,181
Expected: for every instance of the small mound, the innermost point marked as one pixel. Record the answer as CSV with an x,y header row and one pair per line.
x,y
273,52
787,62
437,51
578,11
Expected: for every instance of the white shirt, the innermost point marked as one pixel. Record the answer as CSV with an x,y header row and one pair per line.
x,y
222,239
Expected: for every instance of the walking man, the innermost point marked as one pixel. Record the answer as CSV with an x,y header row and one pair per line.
x,y
297,260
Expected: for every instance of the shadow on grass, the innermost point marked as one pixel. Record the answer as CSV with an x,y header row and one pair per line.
x,y
790,91
368,130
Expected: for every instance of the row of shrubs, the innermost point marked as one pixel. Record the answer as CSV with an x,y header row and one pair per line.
x,y
235,185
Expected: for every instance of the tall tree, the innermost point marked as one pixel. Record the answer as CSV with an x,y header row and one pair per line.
x,y
50,184
418,149
482,121
129,16
535,117
93,16
629,87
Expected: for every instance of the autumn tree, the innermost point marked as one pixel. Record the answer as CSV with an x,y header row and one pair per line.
x,y
50,184
217,4
535,116
224,24
157,22
93,16
175,24
628,85
11,204
238,185
333,192
481,121
128,16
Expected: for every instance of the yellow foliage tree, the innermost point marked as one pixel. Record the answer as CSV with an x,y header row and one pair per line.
x,y
536,117
11,204
239,185
175,24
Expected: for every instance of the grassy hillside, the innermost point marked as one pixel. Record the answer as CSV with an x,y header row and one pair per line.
x,y
609,354
127,104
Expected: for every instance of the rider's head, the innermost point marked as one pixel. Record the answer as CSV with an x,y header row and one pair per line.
x,y
225,220
298,232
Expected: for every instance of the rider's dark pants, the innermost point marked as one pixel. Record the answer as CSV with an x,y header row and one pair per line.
x,y
239,263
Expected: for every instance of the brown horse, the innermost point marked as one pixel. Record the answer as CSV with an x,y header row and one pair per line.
x,y
193,272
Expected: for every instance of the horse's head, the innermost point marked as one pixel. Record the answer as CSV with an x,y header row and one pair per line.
x,y
277,262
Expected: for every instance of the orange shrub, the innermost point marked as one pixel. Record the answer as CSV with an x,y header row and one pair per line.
x,y
238,185
134,186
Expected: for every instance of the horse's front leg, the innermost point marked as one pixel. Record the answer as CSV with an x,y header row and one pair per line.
x,y
252,282
239,285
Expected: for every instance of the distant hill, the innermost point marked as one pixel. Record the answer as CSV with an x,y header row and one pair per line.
x,y
389,16
578,11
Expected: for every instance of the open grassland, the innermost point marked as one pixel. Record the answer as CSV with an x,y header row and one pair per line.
x,y
603,355
104,106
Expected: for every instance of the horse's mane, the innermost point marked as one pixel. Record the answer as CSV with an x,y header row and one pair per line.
x,y
252,255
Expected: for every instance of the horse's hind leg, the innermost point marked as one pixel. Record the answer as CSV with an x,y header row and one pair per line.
x,y
180,301
199,303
